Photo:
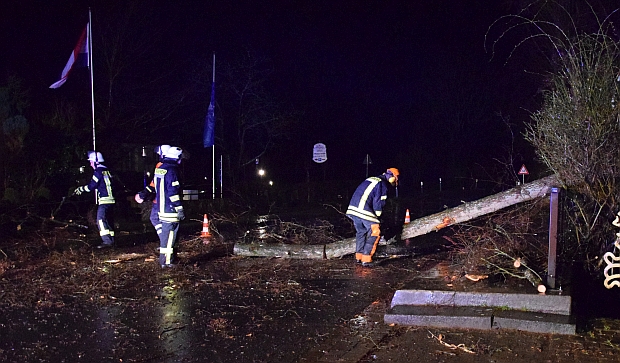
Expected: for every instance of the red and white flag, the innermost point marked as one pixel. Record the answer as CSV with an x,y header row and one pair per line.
x,y
79,58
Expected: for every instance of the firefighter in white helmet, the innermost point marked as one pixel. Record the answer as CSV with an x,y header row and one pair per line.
x,y
102,184
170,209
149,192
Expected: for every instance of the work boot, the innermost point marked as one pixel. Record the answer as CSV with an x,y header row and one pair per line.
x,y
368,264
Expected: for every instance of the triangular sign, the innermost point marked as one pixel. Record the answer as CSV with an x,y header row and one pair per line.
x,y
523,170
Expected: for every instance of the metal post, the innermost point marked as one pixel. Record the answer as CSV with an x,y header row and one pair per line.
x,y
144,167
308,182
90,65
553,237
213,150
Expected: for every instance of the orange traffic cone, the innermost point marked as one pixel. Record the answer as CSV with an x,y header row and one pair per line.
x,y
205,228
407,217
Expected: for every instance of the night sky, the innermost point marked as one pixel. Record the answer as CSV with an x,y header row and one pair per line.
x,y
407,82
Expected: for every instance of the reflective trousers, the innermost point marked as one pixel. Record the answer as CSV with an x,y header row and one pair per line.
x,y
154,217
105,223
167,241
367,235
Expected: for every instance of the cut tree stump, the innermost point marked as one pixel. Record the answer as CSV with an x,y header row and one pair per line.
x,y
464,212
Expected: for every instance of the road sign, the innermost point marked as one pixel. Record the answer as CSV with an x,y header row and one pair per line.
x,y
319,153
523,170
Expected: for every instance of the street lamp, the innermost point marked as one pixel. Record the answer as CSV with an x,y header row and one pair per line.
x,y
261,172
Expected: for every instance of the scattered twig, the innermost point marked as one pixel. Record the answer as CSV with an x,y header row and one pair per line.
x,y
291,310
451,346
170,329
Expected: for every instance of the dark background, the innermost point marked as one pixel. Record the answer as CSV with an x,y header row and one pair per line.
x,y
418,85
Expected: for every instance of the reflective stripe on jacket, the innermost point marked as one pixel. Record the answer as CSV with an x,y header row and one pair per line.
x,y
101,183
167,187
368,199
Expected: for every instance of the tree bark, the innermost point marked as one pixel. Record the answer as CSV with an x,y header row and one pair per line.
x,y
467,211
332,250
418,227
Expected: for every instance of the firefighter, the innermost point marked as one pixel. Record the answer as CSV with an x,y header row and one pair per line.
x,y
149,191
365,211
102,184
170,209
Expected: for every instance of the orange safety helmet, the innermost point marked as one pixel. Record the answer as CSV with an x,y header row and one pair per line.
x,y
395,173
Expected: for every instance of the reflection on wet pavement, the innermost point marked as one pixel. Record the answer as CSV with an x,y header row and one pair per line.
x,y
232,310
174,322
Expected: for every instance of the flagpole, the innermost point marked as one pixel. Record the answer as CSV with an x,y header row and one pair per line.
x,y
90,63
213,155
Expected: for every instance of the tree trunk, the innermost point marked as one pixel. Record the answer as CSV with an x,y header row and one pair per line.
x,y
418,227
332,250
467,211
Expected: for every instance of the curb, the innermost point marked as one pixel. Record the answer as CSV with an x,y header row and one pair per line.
x,y
474,310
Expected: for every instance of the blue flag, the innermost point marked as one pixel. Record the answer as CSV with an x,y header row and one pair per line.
x,y
208,138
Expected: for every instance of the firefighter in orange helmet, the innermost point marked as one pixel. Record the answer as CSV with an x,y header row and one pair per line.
x,y
365,211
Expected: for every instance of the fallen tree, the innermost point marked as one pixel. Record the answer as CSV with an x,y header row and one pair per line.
x,y
332,250
467,211
464,212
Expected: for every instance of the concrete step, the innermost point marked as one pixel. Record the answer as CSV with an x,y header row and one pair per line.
x,y
551,304
476,310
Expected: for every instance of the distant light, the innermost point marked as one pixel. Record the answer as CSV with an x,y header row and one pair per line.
x,y
261,172
271,182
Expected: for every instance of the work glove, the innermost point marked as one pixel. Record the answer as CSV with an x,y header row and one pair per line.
x,y
181,214
78,191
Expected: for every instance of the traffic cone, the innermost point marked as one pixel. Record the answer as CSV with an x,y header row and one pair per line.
x,y
407,217
205,228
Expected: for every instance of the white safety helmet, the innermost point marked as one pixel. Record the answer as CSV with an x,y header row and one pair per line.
x,y
95,156
161,149
173,152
